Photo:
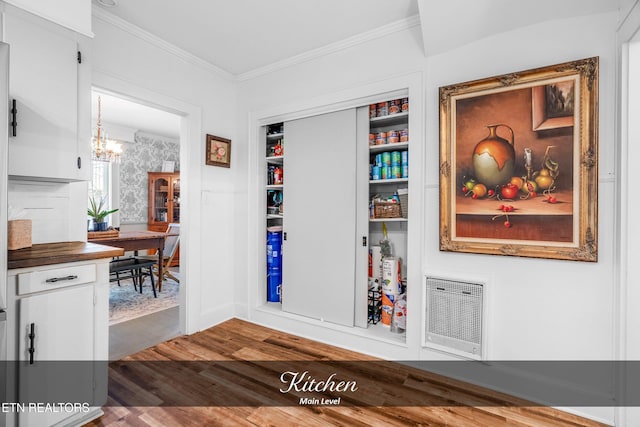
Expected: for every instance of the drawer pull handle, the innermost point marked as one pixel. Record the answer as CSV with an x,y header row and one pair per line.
x,y
32,349
57,279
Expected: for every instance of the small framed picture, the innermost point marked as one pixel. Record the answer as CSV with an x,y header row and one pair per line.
x,y
218,151
168,166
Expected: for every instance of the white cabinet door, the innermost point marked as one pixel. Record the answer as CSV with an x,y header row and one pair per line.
x,y
63,331
44,84
320,217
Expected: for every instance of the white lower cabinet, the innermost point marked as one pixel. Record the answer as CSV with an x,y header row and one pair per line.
x,y
58,336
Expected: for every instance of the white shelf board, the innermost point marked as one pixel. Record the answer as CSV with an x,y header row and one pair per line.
x,y
275,160
389,119
388,181
396,146
272,216
381,331
275,135
275,187
388,219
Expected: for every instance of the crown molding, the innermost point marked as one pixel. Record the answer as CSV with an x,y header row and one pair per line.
x,y
385,30
394,27
138,32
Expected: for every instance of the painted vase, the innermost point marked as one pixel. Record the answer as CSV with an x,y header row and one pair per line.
x,y
494,158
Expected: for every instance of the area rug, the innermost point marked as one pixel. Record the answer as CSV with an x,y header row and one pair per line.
x,y
125,303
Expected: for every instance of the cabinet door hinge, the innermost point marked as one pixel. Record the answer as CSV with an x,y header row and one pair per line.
x,y
79,163
284,236
364,241
79,57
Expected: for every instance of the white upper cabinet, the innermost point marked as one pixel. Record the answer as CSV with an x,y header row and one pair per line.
x,y
46,79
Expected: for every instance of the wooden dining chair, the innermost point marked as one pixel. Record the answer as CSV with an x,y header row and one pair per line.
x,y
171,243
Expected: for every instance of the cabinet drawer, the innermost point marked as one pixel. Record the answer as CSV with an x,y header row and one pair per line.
x,y
43,280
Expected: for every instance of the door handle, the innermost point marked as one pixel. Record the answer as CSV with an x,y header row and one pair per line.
x,y
32,337
14,113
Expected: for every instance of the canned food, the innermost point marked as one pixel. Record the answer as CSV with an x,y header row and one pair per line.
x,y
378,160
394,106
404,135
381,138
385,172
372,139
393,136
383,109
386,158
404,104
404,157
395,158
404,170
375,172
372,111
396,172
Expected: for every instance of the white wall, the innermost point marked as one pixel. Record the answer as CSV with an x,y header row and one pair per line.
x,y
123,59
73,14
629,39
539,309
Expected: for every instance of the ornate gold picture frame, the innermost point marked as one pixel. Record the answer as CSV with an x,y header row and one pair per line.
x,y
519,163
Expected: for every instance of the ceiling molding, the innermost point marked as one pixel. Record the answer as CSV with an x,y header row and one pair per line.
x,y
394,27
136,31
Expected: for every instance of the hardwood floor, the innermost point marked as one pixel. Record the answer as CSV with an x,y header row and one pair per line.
x,y
142,332
252,353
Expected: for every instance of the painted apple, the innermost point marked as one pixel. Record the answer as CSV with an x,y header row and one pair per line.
x,y
509,191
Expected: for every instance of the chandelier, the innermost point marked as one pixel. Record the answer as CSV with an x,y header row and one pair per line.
x,y
103,149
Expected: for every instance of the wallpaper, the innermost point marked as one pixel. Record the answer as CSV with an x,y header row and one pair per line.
x,y
145,154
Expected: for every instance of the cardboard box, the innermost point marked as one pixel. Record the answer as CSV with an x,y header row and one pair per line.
x,y
19,232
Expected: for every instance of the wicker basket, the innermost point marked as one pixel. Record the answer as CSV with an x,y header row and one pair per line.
x,y
386,210
403,194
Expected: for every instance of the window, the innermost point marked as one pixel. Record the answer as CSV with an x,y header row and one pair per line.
x,y
101,185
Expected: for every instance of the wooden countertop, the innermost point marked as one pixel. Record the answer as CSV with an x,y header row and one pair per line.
x,y
58,253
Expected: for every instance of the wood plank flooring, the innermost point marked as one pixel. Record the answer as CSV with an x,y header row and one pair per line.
x,y
237,340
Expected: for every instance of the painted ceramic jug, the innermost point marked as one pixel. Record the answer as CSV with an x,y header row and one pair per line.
x,y
494,158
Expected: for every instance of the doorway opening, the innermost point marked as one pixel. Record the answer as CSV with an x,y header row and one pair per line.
x,y
142,186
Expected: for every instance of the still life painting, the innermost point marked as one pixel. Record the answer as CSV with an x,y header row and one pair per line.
x,y
518,163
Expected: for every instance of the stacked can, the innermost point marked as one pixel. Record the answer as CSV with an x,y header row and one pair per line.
x,y
404,104
383,109
404,164
395,165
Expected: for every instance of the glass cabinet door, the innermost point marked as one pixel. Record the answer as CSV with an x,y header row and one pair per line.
x,y
161,200
176,201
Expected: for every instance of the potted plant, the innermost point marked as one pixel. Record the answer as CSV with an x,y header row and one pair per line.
x,y
97,212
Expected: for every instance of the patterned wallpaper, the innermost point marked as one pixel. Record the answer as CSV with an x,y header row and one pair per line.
x,y
146,154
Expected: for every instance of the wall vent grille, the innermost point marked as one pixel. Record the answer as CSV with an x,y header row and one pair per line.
x,y
454,316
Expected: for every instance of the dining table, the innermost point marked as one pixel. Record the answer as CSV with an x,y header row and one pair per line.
x,y
135,241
